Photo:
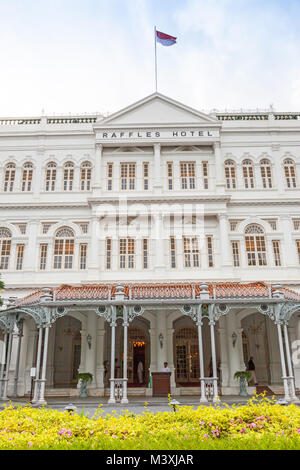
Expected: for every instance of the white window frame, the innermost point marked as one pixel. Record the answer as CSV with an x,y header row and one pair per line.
x,y
5,248
191,252
50,177
188,175
290,173
9,178
126,256
65,245
27,178
86,176
266,173
68,176
127,176
248,174
230,174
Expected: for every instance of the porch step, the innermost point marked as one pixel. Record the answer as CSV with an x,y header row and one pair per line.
x,y
131,392
60,393
190,391
270,389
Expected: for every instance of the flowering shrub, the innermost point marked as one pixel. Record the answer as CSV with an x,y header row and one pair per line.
x,y
260,424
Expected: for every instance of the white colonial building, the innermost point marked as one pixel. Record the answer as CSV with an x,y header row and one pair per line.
x,y
157,234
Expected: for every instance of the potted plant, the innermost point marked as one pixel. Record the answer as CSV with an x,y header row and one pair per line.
x,y
243,377
84,379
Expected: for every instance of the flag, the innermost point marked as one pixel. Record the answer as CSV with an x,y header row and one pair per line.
x,y
165,39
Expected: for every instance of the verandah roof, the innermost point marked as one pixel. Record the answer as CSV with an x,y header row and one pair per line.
x,y
148,291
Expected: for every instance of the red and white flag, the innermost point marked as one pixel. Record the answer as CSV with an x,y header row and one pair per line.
x,y
165,39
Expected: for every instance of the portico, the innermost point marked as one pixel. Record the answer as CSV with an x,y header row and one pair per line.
x,y
199,329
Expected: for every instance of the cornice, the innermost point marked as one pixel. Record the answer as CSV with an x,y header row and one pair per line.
x,y
161,198
42,205
264,202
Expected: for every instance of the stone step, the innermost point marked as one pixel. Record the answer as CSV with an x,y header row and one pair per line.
x,y
190,391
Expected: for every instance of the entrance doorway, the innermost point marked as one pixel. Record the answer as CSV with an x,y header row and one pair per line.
x,y
139,365
67,352
138,357
187,356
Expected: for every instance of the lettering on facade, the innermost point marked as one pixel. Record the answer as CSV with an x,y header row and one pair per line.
x,y
147,134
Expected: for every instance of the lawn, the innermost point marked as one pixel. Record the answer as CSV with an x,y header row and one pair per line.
x,y
261,424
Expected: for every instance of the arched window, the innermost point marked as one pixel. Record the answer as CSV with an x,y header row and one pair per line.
x,y
290,173
64,249
9,177
68,176
255,245
266,174
51,172
230,174
248,173
27,176
85,176
5,248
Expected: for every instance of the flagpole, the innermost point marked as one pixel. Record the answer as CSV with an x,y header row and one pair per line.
x,y
155,43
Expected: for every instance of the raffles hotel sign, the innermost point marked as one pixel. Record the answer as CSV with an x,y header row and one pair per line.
x,y
145,135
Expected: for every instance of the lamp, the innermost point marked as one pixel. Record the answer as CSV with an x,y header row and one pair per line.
x,y
234,339
175,404
71,409
89,341
161,340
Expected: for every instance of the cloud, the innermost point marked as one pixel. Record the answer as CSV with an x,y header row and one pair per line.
x,y
98,55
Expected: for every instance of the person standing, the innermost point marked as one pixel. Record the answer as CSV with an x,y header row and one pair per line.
x,y
251,369
166,367
140,373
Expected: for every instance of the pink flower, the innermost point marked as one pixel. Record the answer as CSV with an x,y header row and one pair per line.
x,y
243,431
298,431
30,444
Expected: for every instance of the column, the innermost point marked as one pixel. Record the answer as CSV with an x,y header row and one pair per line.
x,y
283,366
93,257
8,359
203,398
3,358
226,259
113,325
27,355
161,340
125,326
159,263
277,166
289,245
153,349
219,169
38,178
214,359
223,353
31,251
16,378
157,169
90,360
98,183
100,355
290,367
233,351
41,400
170,356
38,366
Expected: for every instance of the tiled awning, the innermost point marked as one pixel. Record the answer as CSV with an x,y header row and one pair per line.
x,y
156,291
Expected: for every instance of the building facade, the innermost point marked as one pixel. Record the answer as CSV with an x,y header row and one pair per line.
x,y
139,227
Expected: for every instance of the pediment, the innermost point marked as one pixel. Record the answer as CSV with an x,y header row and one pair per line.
x,y
158,110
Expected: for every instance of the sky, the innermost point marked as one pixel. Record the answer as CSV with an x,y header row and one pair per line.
x,y
87,56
